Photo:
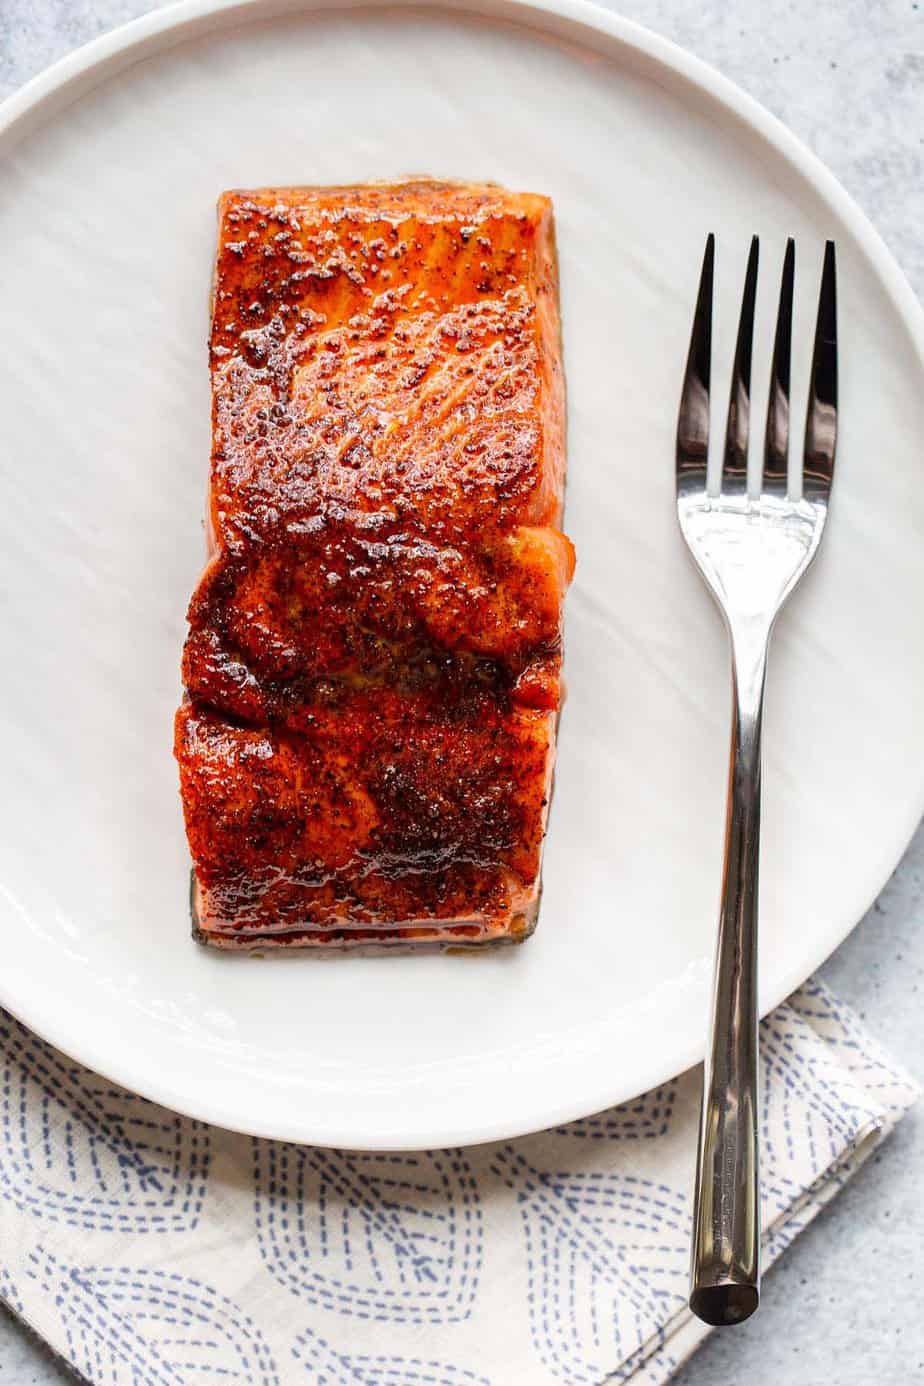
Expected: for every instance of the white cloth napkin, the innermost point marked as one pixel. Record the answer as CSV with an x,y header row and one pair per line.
x,y
151,1250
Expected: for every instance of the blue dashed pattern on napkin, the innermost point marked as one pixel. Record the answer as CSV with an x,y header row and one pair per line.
x,y
152,1250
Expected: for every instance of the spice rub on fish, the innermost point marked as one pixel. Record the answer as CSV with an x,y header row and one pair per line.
x,y
372,673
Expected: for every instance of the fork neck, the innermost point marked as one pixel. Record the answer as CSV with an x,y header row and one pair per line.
x,y
750,640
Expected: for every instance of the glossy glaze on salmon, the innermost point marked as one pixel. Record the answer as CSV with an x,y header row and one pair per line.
x,y
372,672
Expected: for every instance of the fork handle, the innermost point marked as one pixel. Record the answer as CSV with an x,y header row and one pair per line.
x,y
725,1269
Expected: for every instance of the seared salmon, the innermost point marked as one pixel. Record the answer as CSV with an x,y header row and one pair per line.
x,y
372,672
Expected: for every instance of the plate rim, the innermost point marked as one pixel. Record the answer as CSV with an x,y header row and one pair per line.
x,y
77,73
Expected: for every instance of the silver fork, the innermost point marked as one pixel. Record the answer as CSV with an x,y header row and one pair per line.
x,y
752,553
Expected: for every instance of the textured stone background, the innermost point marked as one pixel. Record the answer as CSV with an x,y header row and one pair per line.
x,y
843,1308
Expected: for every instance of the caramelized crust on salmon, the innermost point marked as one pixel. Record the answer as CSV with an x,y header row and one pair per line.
x,y
372,671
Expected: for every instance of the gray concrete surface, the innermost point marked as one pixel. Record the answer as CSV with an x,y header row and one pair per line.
x,y
841,1309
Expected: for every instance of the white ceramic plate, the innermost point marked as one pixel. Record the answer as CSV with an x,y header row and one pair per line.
x,y
109,169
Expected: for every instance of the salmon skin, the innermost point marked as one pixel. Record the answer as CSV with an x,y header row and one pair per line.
x,y
372,672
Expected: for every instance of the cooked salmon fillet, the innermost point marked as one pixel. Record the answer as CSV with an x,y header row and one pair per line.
x,y
372,673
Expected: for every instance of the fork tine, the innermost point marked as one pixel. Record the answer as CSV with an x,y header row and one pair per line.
x,y
693,420
776,443
821,419
735,466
